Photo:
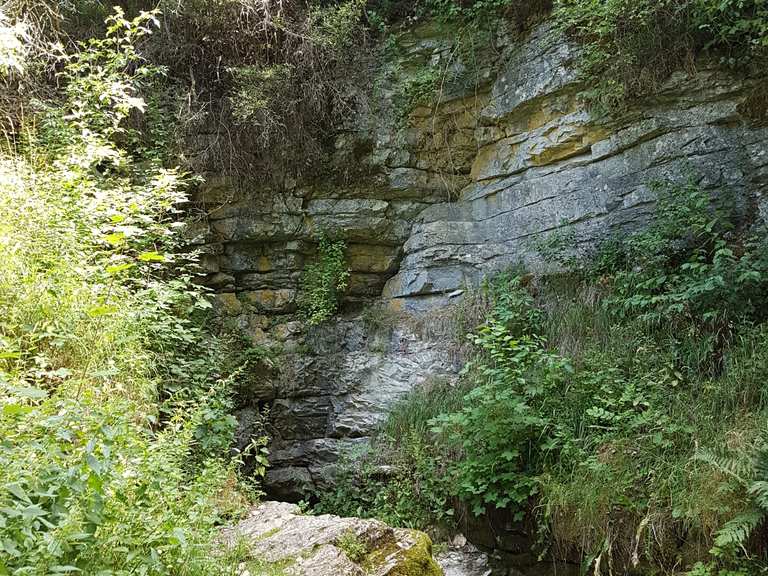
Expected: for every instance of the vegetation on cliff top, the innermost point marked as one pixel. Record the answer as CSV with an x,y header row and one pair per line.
x,y
269,84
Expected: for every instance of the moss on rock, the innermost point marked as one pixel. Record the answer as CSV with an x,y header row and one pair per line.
x,y
418,560
414,559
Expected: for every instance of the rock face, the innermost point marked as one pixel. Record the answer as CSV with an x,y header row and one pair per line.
x,y
463,186
277,536
544,164
465,560
335,391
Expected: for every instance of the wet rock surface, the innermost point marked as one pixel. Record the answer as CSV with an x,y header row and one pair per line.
x,y
463,559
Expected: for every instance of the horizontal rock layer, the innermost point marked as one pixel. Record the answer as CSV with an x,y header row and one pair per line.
x,y
470,184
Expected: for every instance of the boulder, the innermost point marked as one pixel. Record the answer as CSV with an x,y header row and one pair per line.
x,y
277,535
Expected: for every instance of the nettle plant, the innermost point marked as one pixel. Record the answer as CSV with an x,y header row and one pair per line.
x,y
324,281
113,401
502,423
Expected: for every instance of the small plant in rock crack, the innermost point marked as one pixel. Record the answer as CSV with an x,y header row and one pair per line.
x,y
324,281
351,544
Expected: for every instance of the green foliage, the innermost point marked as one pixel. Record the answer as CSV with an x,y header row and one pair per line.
x,y
688,272
750,470
324,281
114,402
630,47
740,27
401,481
259,89
498,426
351,544
336,26
592,399
478,13
419,90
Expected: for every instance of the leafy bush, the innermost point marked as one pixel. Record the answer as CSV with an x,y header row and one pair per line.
x,y
114,403
497,424
401,481
630,46
690,270
324,281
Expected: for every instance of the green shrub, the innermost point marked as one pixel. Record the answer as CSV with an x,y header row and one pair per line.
x,y
401,481
324,281
114,402
351,544
630,47
495,429
689,271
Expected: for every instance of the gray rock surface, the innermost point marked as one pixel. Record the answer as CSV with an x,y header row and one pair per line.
x,y
458,189
333,395
464,560
277,534
545,165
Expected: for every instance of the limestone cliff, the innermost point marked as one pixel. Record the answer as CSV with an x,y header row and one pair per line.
x,y
432,202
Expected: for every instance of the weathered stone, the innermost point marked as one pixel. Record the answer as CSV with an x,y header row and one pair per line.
x,y
227,303
271,301
546,166
437,201
339,391
463,560
372,258
277,533
287,331
287,482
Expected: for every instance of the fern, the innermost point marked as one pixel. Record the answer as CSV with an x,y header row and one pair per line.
x,y
752,474
737,531
740,469
759,491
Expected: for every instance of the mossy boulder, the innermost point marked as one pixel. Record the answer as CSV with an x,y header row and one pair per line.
x,y
278,535
409,555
